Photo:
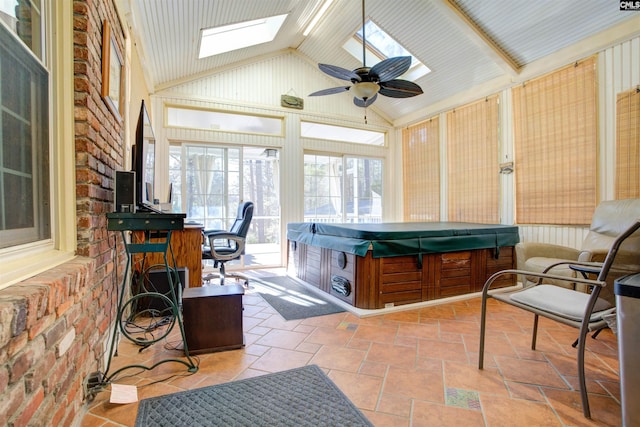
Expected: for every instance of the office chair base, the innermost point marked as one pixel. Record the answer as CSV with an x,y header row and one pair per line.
x,y
223,279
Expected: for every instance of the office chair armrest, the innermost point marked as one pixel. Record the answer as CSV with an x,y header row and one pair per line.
x,y
217,235
207,232
230,238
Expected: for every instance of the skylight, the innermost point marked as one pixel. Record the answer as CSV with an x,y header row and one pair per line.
x,y
214,41
381,46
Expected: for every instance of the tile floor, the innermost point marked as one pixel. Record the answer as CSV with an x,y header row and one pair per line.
x,y
410,368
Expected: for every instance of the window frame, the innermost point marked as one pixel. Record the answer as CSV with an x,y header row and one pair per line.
x,y
343,196
23,261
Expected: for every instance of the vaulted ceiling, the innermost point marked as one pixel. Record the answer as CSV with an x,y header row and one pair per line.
x,y
465,43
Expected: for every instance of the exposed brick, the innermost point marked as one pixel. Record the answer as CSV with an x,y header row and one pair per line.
x,y
66,343
41,325
52,326
12,398
29,409
54,333
17,344
38,374
4,377
7,314
25,360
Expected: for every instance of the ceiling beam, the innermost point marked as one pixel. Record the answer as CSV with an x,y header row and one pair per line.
x,y
452,11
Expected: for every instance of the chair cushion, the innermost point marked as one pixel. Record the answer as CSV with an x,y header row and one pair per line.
x,y
560,301
539,264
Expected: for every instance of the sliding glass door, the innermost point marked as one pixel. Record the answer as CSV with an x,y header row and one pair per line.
x,y
342,189
209,182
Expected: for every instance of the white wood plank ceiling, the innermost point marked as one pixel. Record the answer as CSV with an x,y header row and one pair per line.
x,y
466,43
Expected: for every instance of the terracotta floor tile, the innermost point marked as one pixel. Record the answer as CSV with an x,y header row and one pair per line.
x,y
373,369
437,312
428,414
525,391
342,359
421,385
530,372
409,316
362,390
605,411
260,330
329,321
459,327
380,419
392,355
468,377
381,334
410,368
424,331
330,336
308,347
504,412
406,342
442,350
395,405
277,322
282,339
277,359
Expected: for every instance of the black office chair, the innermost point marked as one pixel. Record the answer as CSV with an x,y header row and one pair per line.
x,y
222,246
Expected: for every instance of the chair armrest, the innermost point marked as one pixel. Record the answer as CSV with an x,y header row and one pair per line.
x,y
547,250
217,235
587,267
207,232
588,282
230,238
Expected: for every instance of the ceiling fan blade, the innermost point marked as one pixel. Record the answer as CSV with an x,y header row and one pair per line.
x,y
391,68
399,89
339,72
330,91
360,103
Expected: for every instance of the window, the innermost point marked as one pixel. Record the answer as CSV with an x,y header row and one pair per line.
x,y
628,145
421,171
342,189
555,132
209,182
25,208
341,133
223,121
381,46
472,162
214,41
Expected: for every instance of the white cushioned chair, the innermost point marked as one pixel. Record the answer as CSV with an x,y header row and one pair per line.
x,y
610,219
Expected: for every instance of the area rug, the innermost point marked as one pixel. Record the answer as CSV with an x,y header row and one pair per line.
x,y
292,300
297,397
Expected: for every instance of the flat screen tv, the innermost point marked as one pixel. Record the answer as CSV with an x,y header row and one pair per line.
x,y
143,162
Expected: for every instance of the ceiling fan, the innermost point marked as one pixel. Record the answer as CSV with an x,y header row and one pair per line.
x,y
368,82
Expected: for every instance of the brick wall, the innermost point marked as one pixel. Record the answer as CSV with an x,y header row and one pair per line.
x,y
53,326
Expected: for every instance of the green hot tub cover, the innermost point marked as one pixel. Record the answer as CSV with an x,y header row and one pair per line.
x,y
403,238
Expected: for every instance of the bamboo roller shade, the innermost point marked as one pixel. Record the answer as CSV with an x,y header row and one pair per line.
x,y
555,131
628,144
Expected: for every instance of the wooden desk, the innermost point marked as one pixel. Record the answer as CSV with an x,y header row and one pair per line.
x,y
186,246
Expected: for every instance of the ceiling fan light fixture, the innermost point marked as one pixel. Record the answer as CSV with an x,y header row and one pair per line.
x,y
365,90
